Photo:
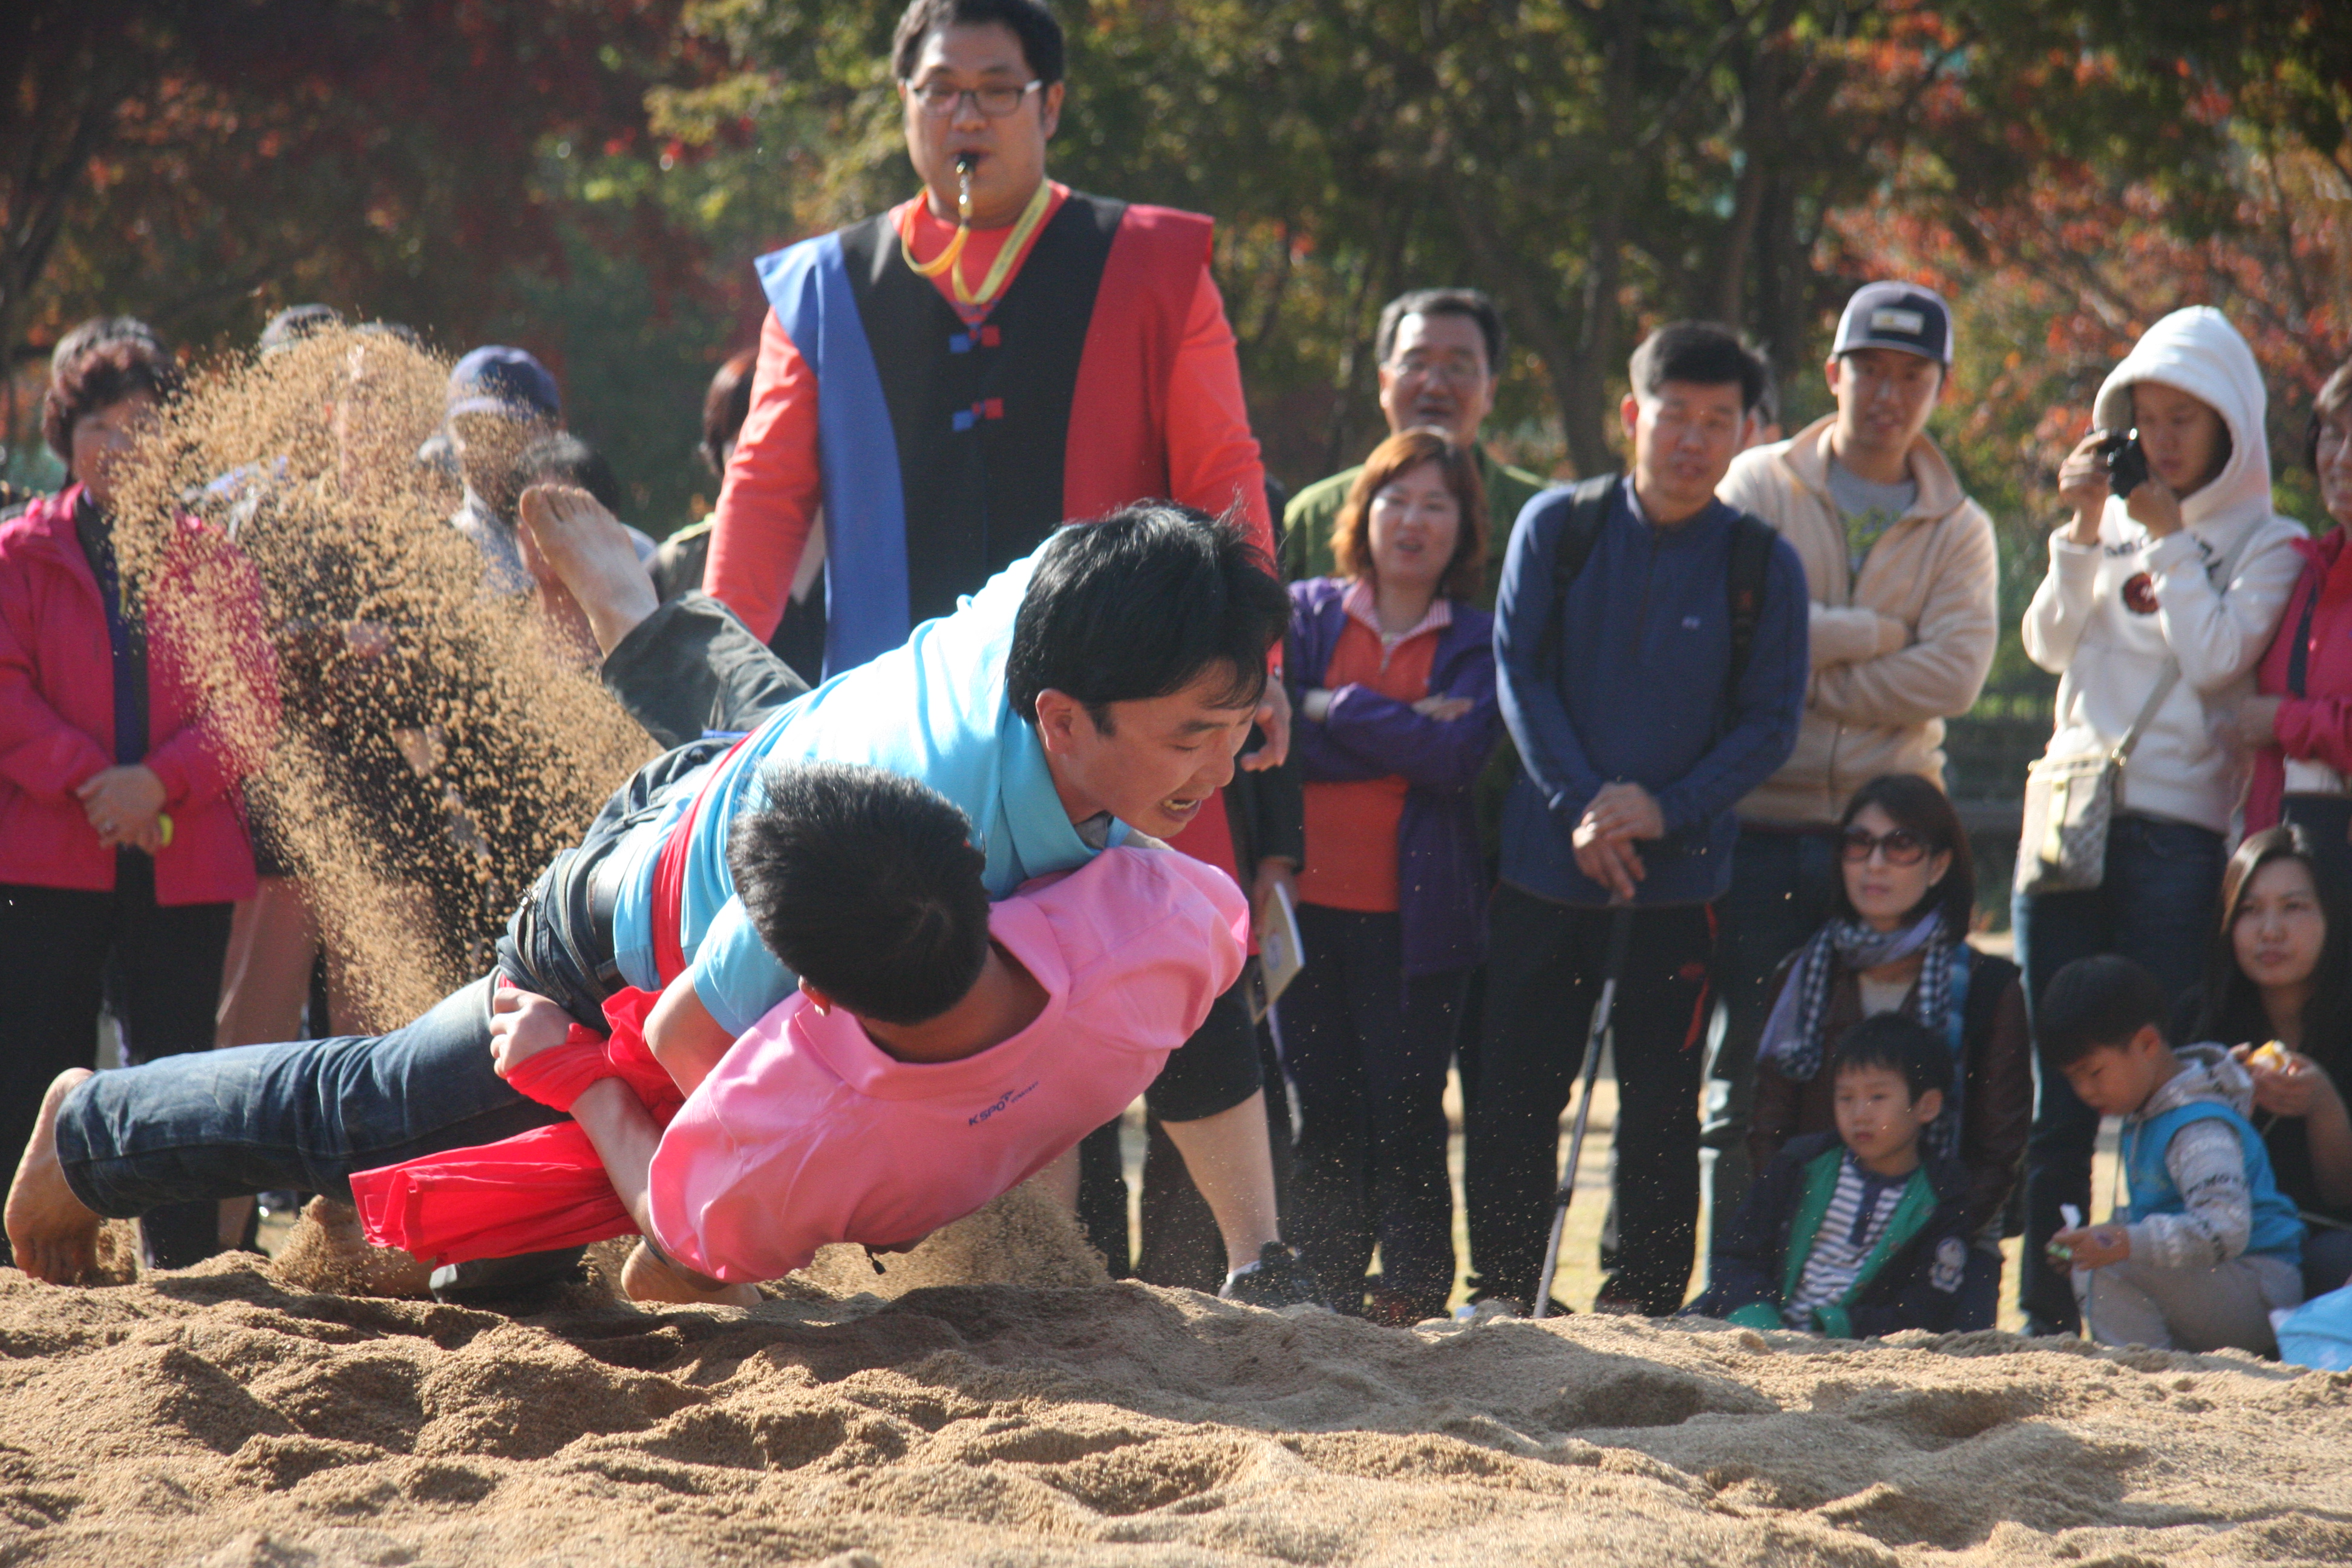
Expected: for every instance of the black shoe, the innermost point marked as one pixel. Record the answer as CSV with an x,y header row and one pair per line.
x,y
1279,1279
507,1281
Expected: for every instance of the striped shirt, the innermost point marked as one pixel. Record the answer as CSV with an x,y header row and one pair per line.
x,y
1857,1216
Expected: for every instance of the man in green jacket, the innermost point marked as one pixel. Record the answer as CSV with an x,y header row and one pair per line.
x,y
1441,358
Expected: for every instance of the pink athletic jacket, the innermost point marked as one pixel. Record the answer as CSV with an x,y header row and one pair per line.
x,y
808,1134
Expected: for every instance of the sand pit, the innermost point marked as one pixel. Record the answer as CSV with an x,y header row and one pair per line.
x,y
224,1417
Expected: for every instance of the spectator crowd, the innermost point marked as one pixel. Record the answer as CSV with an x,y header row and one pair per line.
x,y
1677,731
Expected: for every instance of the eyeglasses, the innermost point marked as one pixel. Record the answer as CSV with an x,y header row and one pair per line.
x,y
939,101
1901,847
1459,372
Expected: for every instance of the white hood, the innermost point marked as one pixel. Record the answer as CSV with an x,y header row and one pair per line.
x,y
2197,352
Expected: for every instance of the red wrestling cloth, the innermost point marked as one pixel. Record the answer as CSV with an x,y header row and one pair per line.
x,y
534,1191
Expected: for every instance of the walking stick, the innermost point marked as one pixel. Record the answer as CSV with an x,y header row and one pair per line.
x,y
1621,937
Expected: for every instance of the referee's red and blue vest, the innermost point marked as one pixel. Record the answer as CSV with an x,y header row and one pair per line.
x,y
950,450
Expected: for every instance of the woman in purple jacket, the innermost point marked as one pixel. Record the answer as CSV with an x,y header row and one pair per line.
x,y
1396,674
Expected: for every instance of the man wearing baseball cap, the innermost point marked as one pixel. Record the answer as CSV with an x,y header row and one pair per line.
x,y
1902,571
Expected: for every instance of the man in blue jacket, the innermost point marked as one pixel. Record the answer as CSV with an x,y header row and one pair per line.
x,y
1652,657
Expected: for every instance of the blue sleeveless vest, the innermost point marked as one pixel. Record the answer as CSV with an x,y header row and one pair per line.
x,y
2277,1230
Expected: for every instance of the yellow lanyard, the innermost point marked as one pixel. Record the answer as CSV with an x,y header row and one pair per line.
x,y
1014,243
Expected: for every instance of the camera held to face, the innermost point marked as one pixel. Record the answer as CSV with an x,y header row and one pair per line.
x,y
2126,462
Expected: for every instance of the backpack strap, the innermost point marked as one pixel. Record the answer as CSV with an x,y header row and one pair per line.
x,y
1751,564
1587,512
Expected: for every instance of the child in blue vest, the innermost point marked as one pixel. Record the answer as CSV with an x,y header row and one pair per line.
x,y
1855,1235
2207,1249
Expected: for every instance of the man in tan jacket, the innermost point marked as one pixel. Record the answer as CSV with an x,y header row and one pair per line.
x,y
1903,577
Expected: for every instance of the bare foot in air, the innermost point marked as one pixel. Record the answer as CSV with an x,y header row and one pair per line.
x,y
53,1237
592,554
647,1275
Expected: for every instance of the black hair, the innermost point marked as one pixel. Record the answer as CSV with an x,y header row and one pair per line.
x,y
2096,1002
2228,992
1917,803
1702,353
1040,34
1471,303
1141,604
568,460
866,884
100,362
1902,1044
725,406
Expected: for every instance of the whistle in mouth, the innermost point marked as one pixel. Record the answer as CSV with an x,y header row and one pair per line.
x,y
967,161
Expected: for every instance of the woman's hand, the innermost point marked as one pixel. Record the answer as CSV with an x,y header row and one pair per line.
x,y
2083,487
123,803
2254,722
2288,1085
2155,508
523,1023
1444,708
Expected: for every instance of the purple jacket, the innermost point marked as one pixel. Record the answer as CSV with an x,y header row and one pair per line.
x,y
1441,875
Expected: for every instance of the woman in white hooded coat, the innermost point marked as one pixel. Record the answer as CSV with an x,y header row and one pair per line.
x,y
2193,568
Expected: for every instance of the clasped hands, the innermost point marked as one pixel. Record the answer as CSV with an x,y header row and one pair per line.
x,y
1603,841
125,806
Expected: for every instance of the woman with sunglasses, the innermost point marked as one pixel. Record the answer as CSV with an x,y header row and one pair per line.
x,y
1898,942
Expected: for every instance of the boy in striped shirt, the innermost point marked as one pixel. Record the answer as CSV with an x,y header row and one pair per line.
x,y
1857,1235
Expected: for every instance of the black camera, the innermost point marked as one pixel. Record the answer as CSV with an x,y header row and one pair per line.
x,y
2126,462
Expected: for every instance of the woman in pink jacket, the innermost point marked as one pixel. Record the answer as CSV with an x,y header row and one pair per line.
x,y
2300,719
122,831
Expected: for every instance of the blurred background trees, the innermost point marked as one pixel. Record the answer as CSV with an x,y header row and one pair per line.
x,y
591,178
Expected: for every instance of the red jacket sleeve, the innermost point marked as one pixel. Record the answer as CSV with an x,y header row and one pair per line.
x,y
773,489
1212,458
40,753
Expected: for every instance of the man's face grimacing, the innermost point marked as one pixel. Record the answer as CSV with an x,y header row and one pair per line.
x,y
1884,398
1008,150
1684,435
1436,374
1155,760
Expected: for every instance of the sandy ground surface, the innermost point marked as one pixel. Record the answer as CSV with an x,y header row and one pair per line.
x,y
230,1417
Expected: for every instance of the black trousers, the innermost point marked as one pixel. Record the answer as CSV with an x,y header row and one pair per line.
x,y
55,947
1364,1049
1545,964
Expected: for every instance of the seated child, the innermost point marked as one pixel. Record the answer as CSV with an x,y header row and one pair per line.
x,y
939,1051
1853,1236
2207,1247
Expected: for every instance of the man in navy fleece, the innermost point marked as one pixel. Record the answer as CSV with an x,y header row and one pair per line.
x,y
1645,706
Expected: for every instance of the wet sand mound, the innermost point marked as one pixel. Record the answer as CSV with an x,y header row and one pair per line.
x,y
220,1417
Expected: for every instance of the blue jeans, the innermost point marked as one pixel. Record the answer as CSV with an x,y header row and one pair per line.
x,y
306,1116
2157,907
1784,885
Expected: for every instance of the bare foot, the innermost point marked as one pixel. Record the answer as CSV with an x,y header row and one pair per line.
x,y
591,554
649,1277
53,1237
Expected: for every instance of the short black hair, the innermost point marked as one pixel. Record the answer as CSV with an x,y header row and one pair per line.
x,y
866,884
1471,303
1902,1044
2093,1003
98,363
568,460
1040,34
1141,605
1703,353
725,406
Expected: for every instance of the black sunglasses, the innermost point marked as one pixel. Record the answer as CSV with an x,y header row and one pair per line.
x,y
1902,847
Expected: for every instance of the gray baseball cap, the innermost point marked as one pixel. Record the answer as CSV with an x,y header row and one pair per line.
x,y
1896,316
